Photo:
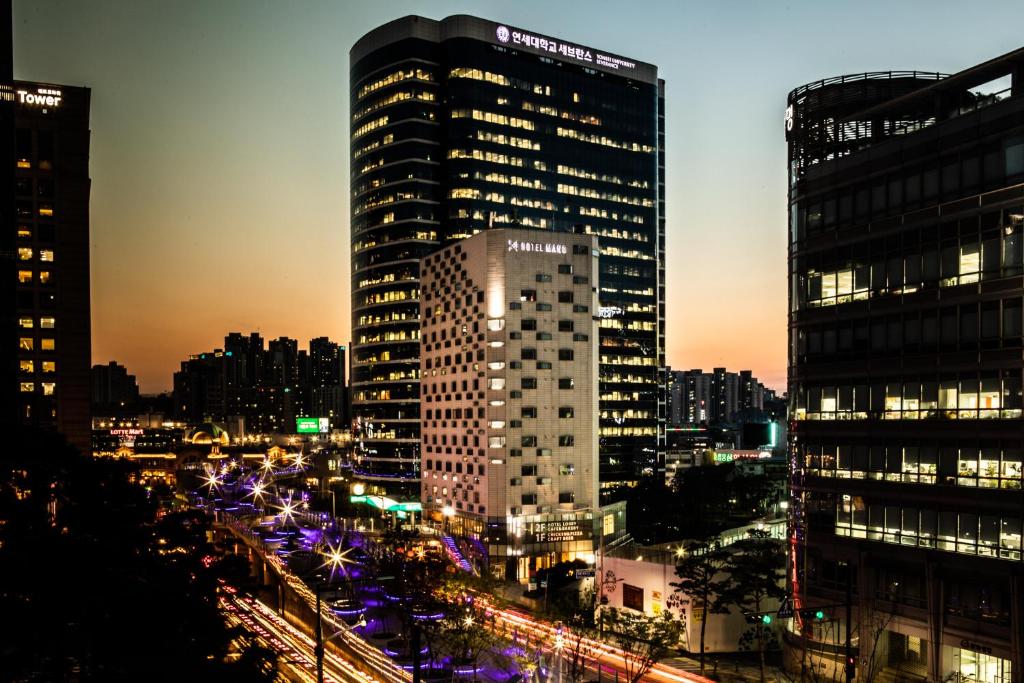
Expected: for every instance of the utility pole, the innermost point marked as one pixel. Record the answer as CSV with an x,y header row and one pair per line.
x,y
416,658
319,640
851,671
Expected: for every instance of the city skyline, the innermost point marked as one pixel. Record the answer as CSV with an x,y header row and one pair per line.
x,y
213,233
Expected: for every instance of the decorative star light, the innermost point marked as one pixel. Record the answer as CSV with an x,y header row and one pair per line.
x,y
287,510
212,480
337,559
258,488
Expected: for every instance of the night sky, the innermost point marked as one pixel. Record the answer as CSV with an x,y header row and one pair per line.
x,y
220,153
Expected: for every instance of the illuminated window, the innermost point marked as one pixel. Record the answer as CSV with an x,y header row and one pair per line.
x,y
45,210
28,387
26,343
24,163
25,276
24,232
970,262
46,255
44,277
26,323
48,388
47,323
49,366
47,344
24,253
26,366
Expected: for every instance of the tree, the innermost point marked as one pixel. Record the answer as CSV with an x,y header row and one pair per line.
x,y
466,632
643,640
85,561
756,571
702,562
577,635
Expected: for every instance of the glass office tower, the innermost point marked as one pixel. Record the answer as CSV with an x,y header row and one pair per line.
x,y
906,207
461,125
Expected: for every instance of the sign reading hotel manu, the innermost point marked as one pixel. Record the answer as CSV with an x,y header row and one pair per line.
x,y
42,97
506,35
538,247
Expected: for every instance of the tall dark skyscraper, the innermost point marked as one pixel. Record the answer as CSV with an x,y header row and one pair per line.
x,y
464,124
51,231
906,208
9,409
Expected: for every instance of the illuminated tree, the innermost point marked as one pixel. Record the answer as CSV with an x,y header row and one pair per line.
x,y
756,573
644,640
698,567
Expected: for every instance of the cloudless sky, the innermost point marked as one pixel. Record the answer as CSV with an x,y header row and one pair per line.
x,y
220,153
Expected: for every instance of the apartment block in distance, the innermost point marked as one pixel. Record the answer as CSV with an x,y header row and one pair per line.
x,y
509,373
906,353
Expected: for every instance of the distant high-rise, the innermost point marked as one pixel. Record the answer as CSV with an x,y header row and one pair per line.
x,y
697,397
906,228
51,233
268,387
113,389
464,124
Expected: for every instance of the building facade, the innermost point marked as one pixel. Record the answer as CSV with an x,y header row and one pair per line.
x,y
509,372
268,386
906,208
462,125
697,397
51,231
113,389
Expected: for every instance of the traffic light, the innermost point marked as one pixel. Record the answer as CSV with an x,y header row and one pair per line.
x,y
755,618
815,613
851,668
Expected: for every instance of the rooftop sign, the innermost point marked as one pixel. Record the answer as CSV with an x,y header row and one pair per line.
x,y
537,247
508,36
42,97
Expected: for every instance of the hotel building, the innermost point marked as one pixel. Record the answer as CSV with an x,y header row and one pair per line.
x,y
509,377
51,233
906,208
462,125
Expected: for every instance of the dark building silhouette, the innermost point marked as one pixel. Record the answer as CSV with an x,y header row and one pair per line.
x,y
461,125
113,388
9,409
51,232
267,386
906,214
696,397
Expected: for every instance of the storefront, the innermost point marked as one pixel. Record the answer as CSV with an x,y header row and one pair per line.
x,y
976,662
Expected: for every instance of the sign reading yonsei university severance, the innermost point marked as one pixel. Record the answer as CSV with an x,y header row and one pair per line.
x,y
580,54
537,247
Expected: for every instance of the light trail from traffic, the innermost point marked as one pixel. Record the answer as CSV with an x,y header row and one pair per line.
x,y
604,652
290,643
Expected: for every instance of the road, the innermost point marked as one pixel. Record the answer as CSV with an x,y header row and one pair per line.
x,y
604,653
295,649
